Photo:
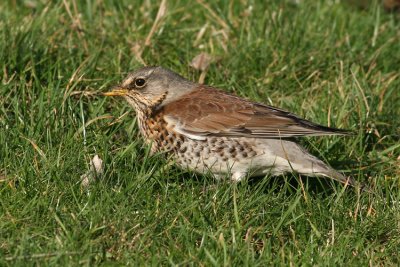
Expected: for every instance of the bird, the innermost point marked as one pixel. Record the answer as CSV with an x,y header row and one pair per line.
x,y
208,130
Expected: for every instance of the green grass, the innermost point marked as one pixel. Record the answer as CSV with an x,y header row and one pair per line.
x,y
327,61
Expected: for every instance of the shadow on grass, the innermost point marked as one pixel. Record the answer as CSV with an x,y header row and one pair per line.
x,y
290,183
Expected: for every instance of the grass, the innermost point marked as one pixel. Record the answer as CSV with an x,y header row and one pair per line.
x,y
328,61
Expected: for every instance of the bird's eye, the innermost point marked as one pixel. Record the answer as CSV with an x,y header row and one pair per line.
x,y
140,82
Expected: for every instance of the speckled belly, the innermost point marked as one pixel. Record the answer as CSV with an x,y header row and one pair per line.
x,y
214,154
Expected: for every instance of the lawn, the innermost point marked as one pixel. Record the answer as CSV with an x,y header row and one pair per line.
x,y
333,62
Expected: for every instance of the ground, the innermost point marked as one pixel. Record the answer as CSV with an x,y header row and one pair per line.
x,y
333,62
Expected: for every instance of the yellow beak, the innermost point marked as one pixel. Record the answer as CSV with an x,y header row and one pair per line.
x,y
118,91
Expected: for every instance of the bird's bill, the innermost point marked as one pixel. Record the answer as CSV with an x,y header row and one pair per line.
x,y
116,92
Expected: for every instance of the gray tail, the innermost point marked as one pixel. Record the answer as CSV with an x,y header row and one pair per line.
x,y
319,168
346,180
335,175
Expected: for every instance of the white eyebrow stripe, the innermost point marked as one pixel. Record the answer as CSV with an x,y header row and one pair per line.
x,y
128,81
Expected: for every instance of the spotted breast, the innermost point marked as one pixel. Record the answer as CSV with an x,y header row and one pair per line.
x,y
214,154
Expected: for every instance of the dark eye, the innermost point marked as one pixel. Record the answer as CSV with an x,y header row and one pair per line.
x,y
139,82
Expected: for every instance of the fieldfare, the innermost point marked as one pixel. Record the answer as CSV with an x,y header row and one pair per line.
x,y
208,130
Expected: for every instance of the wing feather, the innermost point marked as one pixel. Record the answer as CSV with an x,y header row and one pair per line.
x,y
210,112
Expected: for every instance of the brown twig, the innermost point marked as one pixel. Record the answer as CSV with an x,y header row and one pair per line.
x,y
213,14
76,21
72,79
160,14
137,48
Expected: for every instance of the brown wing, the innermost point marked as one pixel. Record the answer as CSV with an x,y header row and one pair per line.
x,y
211,112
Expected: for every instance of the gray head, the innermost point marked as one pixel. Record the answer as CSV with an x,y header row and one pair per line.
x,y
152,87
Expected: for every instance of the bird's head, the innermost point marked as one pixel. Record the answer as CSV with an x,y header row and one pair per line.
x,y
152,87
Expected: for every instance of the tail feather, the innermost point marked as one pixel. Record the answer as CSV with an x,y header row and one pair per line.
x,y
292,157
326,171
307,164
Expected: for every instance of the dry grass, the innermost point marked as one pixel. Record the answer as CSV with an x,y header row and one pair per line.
x,y
330,62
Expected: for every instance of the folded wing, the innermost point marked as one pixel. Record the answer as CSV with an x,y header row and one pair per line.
x,y
210,112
